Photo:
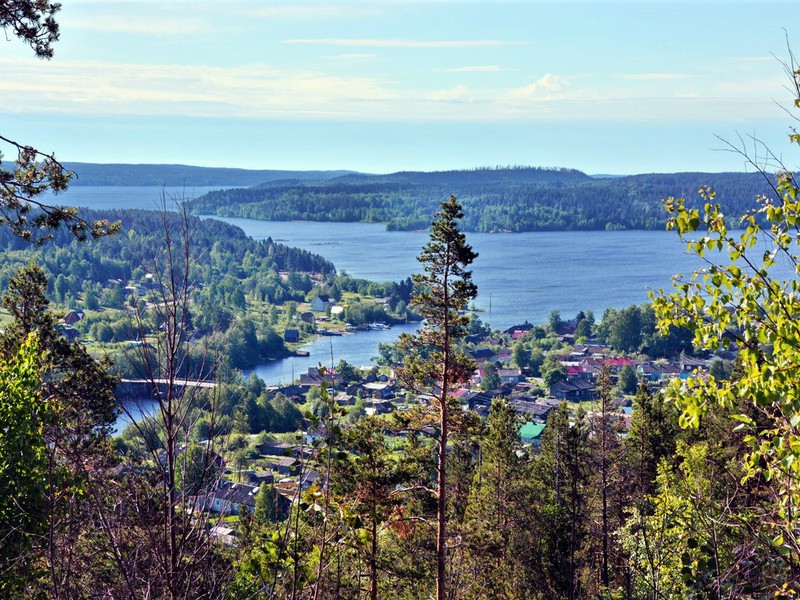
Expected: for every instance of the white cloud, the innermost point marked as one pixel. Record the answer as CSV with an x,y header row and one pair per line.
x,y
453,94
313,11
541,89
259,91
475,69
654,76
255,91
401,43
756,58
353,56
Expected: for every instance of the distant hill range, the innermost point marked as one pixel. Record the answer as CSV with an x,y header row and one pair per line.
x,y
95,174
510,199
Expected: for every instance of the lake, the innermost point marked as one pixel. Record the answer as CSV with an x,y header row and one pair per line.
x,y
357,349
134,410
520,276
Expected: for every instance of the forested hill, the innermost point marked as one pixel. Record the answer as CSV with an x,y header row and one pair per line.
x,y
216,248
513,200
481,176
94,174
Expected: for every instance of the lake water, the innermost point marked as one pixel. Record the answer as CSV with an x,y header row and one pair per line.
x,y
134,411
357,349
520,276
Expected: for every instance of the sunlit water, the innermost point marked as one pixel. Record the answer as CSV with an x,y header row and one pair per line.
x,y
521,276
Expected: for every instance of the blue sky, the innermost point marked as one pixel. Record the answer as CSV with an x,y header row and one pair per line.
x,y
605,87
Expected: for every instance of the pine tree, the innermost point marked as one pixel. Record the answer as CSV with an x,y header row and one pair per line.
x,y
606,483
433,361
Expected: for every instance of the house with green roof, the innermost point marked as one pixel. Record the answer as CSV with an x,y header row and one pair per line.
x,y
531,433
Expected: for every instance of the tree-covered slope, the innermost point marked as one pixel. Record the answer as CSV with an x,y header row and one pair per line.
x,y
514,199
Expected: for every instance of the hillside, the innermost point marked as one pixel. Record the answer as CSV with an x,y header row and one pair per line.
x,y
512,199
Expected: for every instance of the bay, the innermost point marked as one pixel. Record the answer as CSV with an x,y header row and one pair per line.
x,y
520,276
358,349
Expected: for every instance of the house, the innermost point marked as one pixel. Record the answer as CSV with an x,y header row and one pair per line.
x,y
295,393
227,497
309,478
380,390
314,377
74,316
616,363
315,434
68,332
574,371
511,376
649,371
285,465
531,433
534,411
275,448
291,336
689,364
322,301
482,354
658,371
307,317
574,390
259,477
378,407
622,403
223,535
344,399
473,399
525,328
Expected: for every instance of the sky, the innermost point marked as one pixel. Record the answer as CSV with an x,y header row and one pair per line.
x,y
381,86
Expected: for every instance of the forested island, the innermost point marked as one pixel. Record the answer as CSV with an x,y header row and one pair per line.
x,y
495,200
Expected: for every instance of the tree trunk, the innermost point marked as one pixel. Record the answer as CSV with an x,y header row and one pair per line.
x,y
441,534
373,562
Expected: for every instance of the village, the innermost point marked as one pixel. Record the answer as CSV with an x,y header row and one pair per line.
x,y
287,464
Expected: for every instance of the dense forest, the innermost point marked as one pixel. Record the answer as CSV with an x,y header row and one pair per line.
x,y
109,277
494,200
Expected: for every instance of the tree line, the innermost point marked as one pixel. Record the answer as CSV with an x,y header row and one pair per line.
x,y
493,202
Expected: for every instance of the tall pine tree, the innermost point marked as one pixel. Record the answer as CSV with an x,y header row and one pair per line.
x,y
434,362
